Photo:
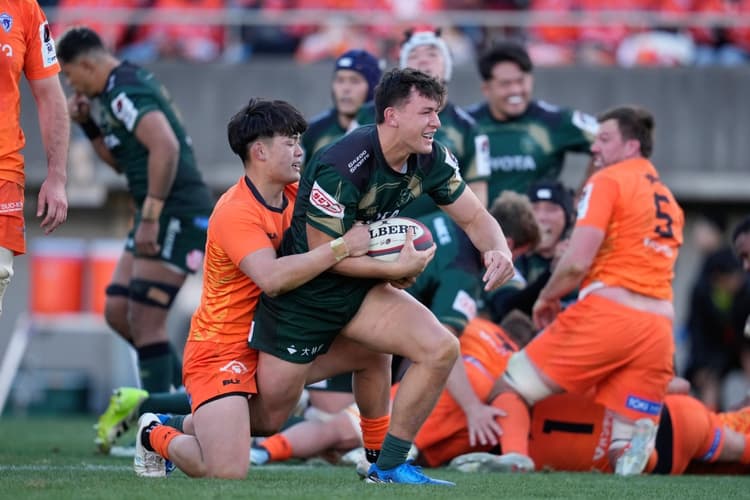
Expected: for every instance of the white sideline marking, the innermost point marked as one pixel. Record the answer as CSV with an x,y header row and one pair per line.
x,y
129,467
83,467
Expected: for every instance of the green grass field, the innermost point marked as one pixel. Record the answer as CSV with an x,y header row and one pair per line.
x,y
49,458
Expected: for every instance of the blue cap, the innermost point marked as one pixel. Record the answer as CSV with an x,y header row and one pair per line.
x,y
363,63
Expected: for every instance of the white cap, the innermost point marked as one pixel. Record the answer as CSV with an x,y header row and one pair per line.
x,y
427,38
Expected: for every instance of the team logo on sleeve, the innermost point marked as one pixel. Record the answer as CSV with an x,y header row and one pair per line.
x,y
6,21
326,203
49,56
125,111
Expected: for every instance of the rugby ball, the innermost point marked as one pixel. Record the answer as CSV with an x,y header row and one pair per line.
x,y
387,237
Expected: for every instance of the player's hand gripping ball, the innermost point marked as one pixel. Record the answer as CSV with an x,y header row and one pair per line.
x,y
387,237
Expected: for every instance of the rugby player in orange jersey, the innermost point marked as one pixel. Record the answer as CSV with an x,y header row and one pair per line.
x,y
244,232
570,432
618,336
27,47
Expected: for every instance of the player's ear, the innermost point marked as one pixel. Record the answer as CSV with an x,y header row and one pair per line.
x,y
258,150
390,117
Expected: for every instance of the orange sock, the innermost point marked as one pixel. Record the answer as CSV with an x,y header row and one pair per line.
x,y
278,447
516,424
373,434
160,437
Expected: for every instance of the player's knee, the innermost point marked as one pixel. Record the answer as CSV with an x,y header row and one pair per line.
x,y
6,264
447,350
523,377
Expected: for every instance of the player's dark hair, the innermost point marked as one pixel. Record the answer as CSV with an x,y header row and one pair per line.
x,y
500,52
76,41
514,213
395,88
519,326
635,124
742,227
263,118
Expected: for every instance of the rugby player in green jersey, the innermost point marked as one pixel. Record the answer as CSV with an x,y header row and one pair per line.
x,y
528,138
371,174
427,52
355,76
138,132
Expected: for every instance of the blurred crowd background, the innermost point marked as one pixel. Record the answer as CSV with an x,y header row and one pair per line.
x,y
557,32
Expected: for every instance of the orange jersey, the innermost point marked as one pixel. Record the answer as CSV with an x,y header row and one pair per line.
x,y
642,224
26,46
240,224
485,342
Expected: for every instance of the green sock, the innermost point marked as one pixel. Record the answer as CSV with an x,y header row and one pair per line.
x,y
176,366
166,402
290,422
176,422
393,453
155,367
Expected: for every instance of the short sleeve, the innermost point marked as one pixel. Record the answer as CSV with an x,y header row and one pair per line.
x,y
41,57
130,107
446,182
239,233
332,203
597,202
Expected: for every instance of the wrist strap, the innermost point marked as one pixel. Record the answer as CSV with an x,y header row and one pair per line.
x,y
340,250
151,209
91,129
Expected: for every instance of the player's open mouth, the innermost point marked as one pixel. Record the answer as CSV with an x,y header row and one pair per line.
x,y
296,166
514,100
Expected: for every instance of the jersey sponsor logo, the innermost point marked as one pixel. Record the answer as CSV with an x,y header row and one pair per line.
x,y
234,366
643,405
326,203
125,111
358,161
482,147
465,304
585,122
583,203
6,21
513,163
6,49
440,231
657,247
49,56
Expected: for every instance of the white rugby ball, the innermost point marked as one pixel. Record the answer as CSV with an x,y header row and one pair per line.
x,y
387,237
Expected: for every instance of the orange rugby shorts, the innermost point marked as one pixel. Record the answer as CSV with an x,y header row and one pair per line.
x,y
12,227
212,370
624,353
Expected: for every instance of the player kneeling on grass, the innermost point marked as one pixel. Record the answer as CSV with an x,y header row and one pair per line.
x,y
373,173
244,232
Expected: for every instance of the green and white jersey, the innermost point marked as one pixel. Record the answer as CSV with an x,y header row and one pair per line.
x,y
322,131
130,94
532,146
458,131
350,181
450,284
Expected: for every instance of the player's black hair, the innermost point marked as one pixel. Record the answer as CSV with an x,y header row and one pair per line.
x,y
263,118
635,124
395,88
500,52
742,227
76,41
